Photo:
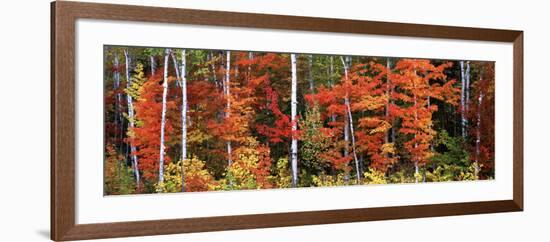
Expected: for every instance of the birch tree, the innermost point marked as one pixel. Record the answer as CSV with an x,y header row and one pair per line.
x,y
119,121
152,60
228,102
212,67
346,119
462,100
390,132
163,117
182,80
478,134
183,116
293,113
131,118
467,88
176,66
310,74
345,63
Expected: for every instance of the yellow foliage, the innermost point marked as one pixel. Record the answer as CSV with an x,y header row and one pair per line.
x,y
368,102
387,148
197,178
119,178
383,127
373,176
283,179
250,169
324,180
197,136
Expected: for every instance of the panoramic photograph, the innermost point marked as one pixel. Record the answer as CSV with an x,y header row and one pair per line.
x,y
194,120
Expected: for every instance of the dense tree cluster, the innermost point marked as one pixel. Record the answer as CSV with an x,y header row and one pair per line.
x,y
181,120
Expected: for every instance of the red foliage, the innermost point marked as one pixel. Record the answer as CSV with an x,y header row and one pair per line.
x,y
146,135
484,87
282,126
418,80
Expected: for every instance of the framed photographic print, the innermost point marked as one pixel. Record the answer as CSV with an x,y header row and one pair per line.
x,y
170,120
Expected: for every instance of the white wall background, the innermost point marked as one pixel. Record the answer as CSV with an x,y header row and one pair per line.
x,y
25,113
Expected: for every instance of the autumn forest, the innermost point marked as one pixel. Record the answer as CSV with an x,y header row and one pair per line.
x,y
188,120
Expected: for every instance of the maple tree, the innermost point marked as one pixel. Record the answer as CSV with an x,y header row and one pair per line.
x,y
414,79
145,136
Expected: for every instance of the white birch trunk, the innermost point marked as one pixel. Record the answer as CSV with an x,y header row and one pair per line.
x,y
478,135
236,71
163,117
462,100
183,117
346,133
346,118
131,117
152,59
310,74
467,89
293,113
176,67
213,69
250,57
249,74
358,177
416,171
350,121
228,102
119,120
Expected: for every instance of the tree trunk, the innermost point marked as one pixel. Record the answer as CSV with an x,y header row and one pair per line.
x,y
478,135
152,59
163,117
467,89
250,57
213,69
310,74
249,68
236,71
183,117
131,117
293,111
346,132
416,172
119,120
228,102
353,141
350,120
346,118
462,100
176,67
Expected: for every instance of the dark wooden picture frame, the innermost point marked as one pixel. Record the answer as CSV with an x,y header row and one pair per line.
x,y
63,150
